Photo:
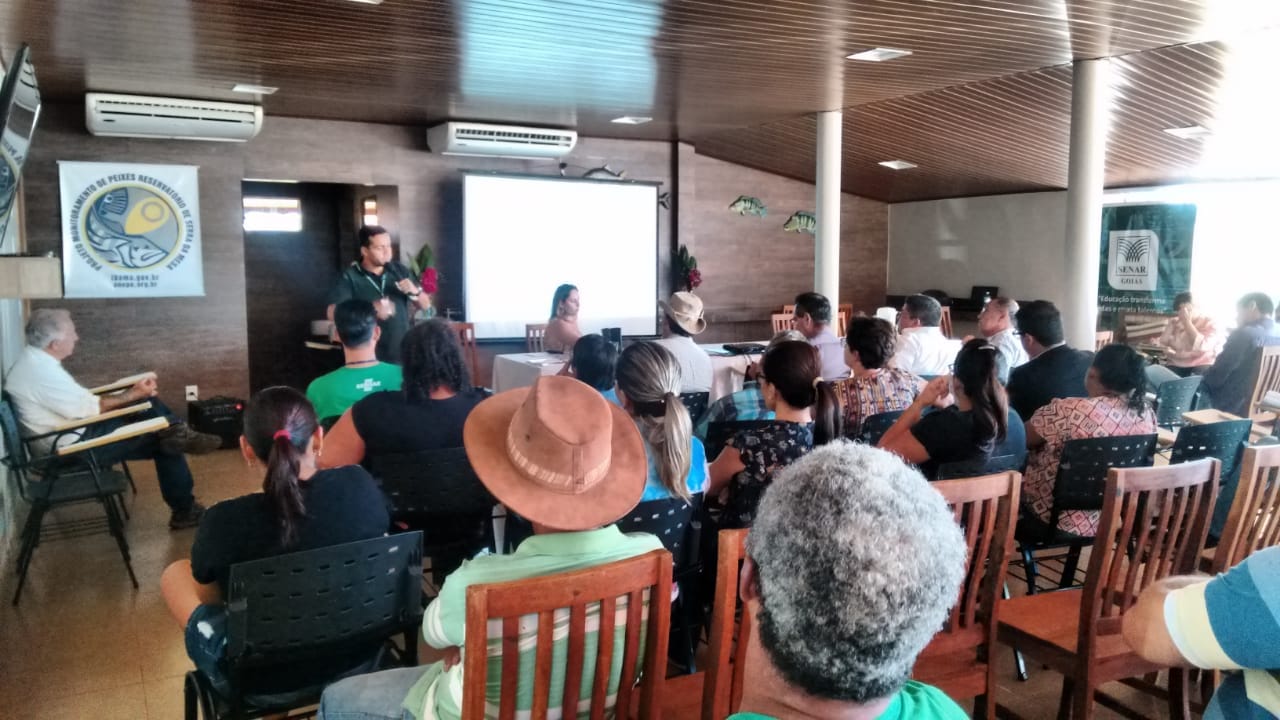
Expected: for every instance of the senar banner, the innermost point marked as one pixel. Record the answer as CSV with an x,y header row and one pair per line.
x,y
1146,257
130,230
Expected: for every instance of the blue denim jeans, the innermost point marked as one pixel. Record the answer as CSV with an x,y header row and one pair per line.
x,y
375,696
176,483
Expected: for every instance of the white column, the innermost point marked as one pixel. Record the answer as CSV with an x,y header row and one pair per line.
x,y
826,239
1090,109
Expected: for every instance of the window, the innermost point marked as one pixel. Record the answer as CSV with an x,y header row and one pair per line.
x,y
272,214
369,211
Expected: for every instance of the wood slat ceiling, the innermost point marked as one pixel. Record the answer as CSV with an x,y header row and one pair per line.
x,y
981,105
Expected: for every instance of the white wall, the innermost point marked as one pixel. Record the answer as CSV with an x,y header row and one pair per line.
x,y
1012,241
11,340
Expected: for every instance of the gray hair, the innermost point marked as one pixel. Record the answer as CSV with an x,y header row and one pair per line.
x,y
859,561
786,336
47,325
1007,304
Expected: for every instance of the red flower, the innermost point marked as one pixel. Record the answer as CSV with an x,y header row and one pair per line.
x,y
430,281
694,279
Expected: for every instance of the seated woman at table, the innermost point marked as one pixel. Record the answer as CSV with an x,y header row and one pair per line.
x,y
426,413
649,390
1191,343
872,387
804,408
1116,405
594,362
973,420
300,507
562,327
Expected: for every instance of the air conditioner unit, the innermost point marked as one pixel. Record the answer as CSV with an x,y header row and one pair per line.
x,y
464,138
140,116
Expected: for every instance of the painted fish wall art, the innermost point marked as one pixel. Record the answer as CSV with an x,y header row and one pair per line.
x,y
747,205
801,221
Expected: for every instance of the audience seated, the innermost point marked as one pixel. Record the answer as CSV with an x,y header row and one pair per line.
x,y
684,320
572,463
562,327
1229,622
427,413
747,403
922,348
1055,370
1230,380
46,396
831,644
1191,342
813,318
594,362
649,390
1116,405
299,508
362,373
968,428
995,322
873,387
804,408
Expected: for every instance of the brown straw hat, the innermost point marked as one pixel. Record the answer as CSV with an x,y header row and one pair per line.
x,y
558,454
685,309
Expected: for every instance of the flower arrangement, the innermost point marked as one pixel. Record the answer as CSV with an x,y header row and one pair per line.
x,y
424,266
690,276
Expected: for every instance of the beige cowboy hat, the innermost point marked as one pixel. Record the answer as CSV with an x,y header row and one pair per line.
x,y
557,453
685,309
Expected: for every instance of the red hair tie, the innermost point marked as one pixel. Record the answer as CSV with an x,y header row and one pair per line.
x,y
281,434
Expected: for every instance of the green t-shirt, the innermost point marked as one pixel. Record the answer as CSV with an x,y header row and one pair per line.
x,y
915,701
332,394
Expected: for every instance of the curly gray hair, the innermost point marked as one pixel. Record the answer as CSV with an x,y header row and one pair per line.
x,y
858,563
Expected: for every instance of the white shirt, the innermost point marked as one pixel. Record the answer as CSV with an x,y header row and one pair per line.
x,y
1010,346
695,364
832,351
45,395
925,351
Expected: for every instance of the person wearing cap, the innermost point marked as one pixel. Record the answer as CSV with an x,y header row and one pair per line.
x,y
684,320
570,462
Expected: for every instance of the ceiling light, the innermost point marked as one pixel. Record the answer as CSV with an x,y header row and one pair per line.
x,y
254,89
1190,132
879,54
898,164
632,119
368,2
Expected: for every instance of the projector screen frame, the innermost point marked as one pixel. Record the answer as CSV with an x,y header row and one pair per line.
x,y
656,185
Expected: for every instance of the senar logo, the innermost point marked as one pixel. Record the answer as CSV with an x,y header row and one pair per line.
x,y
1132,260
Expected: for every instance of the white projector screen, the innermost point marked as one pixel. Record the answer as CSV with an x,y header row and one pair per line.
x,y
523,236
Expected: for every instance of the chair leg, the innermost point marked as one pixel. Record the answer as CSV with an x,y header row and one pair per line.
x,y
117,530
1064,702
124,465
30,539
1069,567
189,691
1082,706
1019,662
1179,694
1029,565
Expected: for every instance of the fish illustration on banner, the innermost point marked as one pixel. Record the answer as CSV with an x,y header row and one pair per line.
x,y
801,221
747,205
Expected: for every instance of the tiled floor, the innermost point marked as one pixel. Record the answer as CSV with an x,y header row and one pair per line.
x,y
85,644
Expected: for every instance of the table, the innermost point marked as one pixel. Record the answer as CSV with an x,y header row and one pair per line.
x,y
519,370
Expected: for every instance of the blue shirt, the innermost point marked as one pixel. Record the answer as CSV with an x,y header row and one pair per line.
x,y
696,481
611,395
746,404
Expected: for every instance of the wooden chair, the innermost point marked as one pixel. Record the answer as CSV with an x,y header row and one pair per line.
x,y
722,686
1254,520
533,334
467,338
946,320
1153,524
844,310
842,323
1268,381
1103,338
788,309
503,616
781,322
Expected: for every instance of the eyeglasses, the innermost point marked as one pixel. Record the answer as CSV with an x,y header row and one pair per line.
x,y
951,368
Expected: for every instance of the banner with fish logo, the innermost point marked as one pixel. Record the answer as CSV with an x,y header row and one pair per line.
x,y
130,230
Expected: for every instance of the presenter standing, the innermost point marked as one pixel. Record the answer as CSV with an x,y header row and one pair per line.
x,y
378,279
562,326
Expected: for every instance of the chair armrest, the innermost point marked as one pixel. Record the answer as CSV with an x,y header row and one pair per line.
x,y
122,383
124,432
93,420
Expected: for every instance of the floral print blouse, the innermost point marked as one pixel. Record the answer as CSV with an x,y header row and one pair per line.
x,y
763,450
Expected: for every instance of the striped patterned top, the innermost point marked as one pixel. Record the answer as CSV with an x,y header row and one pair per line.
x,y
861,397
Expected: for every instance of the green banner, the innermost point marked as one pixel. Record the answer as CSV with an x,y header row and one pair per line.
x,y
1146,257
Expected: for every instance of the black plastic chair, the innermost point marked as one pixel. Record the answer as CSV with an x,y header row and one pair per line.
x,y
437,492
978,467
328,422
300,611
1225,441
875,426
1174,398
49,481
719,433
696,403
675,523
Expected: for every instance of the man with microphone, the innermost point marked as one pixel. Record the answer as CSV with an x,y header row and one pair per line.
x,y
378,279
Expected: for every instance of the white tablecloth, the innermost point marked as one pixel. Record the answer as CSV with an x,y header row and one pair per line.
x,y
521,369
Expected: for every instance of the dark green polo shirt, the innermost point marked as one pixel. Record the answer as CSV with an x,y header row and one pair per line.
x,y
360,284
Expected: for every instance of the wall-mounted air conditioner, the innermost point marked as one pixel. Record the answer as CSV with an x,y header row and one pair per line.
x,y
465,138
140,116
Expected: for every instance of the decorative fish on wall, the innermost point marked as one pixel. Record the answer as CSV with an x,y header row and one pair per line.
x,y
745,204
604,172
800,221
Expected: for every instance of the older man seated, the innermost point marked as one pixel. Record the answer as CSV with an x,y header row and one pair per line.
x,y
922,348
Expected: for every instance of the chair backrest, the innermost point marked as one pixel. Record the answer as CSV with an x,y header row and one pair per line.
x,y
874,426
1268,376
1225,441
788,309
844,311
503,617
979,466
1253,522
533,335
722,686
671,521
15,449
986,509
1103,338
719,433
432,483
696,403
1083,466
318,603
1174,398
467,337
1152,525
781,321
945,325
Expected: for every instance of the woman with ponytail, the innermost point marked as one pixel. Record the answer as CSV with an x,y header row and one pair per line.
x,y
299,508
805,415
968,427
1117,405
649,390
